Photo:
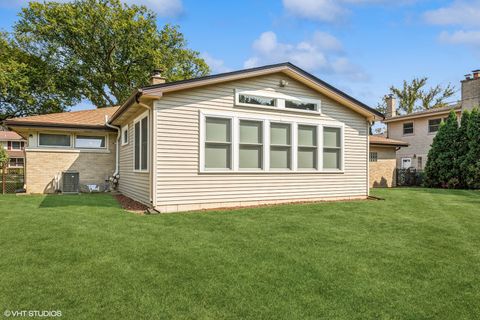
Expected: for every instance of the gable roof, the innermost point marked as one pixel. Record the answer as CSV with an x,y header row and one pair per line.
x,y
287,68
85,119
426,113
10,136
380,140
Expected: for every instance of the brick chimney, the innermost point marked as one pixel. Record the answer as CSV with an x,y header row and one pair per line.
x,y
471,90
156,77
391,106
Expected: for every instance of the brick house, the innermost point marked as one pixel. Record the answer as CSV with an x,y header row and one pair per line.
x,y
15,146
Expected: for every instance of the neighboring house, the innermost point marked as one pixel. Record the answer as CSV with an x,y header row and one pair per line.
x,y
383,162
264,135
15,145
419,128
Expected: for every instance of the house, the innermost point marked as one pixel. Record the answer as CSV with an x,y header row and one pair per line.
x,y
15,145
419,128
263,135
383,161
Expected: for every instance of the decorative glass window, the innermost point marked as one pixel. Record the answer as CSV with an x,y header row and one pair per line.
x,y
408,128
90,142
141,144
251,145
54,140
124,135
373,156
16,162
218,144
332,148
301,105
280,146
256,100
307,147
434,125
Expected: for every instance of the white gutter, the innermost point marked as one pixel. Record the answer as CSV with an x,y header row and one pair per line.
x,y
117,146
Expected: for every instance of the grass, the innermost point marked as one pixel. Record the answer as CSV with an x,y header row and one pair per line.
x,y
415,255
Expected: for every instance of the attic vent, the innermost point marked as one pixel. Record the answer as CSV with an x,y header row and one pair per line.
x,y
71,181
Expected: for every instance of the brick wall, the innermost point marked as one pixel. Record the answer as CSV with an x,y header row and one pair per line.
x,y
382,172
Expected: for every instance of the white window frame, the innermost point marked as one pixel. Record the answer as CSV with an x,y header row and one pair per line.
x,y
279,99
144,115
90,135
267,119
401,163
124,133
55,147
19,143
16,166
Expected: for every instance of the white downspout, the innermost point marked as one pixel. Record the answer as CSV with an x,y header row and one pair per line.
x,y
117,146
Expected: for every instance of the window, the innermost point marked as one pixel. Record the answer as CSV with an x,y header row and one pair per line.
x,y
406,163
251,145
434,125
332,150
54,140
270,98
408,128
218,144
307,147
125,135
373,156
16,145
301,105
419,163
16,162
90,142
141,144
256,100
280,146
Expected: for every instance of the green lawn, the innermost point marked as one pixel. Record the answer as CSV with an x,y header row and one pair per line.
x,y
415,255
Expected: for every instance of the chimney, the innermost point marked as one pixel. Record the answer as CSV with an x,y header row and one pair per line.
x,y
156,77
471,91
391,106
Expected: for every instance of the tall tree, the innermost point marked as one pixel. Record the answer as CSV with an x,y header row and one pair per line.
x,y
441,170
463,147
105,47
29,85
414,96
472,161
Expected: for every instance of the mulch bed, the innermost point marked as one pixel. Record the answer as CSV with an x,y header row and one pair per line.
x,y
130,204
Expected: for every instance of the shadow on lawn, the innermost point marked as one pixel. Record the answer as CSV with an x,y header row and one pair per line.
x,y
80,200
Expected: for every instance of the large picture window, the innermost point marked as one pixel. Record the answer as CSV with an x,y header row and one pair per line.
x,y
90,142
218,144
332,148
280,146
141,144
251,145
54,140
307,147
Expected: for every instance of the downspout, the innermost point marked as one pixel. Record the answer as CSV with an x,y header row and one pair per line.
x,y
117,145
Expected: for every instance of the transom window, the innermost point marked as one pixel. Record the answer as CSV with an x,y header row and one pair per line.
x,y
236,144
90,142
408,128
272,99
54,140
218,144
141,144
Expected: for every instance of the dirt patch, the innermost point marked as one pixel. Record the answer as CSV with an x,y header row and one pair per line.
x,y
130,204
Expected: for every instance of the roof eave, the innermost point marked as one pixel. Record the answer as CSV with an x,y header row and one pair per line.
x,y
45,125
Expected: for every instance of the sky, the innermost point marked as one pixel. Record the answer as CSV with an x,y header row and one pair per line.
x,y
359,46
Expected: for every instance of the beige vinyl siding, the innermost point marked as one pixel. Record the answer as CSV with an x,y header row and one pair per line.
x,y
135,185
180,186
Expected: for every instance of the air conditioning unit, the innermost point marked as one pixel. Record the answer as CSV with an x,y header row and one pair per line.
x,y
70,182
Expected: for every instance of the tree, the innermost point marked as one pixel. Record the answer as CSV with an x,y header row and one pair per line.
x,y
413,96
29,85
463,148
441,170
471,162
3,157
105,48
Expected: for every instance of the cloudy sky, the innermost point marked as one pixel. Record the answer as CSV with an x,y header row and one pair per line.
x,y
360,46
